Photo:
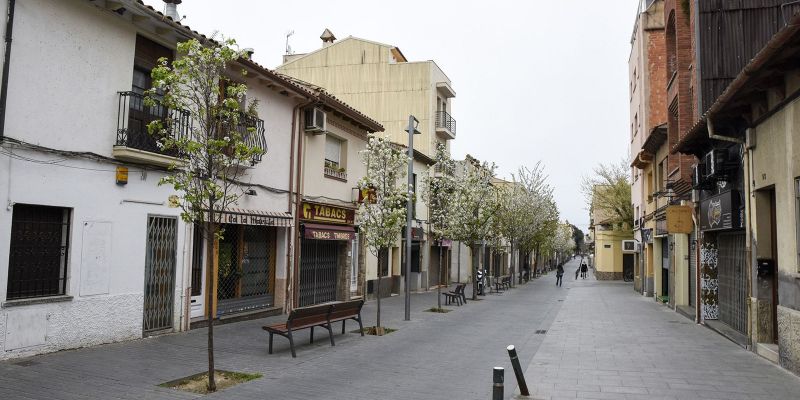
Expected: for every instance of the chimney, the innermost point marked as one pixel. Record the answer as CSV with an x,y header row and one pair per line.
x,y
171,9
327,38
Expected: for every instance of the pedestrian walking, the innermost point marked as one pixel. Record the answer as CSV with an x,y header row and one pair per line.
x,y
559,274
584,268
577,272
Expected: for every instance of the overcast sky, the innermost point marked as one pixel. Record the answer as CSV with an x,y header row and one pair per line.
x,y
535,80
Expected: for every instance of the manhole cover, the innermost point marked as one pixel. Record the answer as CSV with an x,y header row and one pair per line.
x,y
540,331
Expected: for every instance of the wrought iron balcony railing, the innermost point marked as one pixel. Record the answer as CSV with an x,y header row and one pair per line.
x,y
134,116
252,130
444,120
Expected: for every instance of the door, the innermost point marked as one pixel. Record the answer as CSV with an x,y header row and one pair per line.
x,y
665,250
627,266
318,271
732,281
159,279
692,269
774,250
245,262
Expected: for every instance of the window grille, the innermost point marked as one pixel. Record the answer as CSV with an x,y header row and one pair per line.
x,y
37,264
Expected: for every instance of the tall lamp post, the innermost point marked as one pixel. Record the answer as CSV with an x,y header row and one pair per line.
x,y
413,123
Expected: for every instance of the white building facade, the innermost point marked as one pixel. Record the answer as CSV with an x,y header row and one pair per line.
x,y
87,254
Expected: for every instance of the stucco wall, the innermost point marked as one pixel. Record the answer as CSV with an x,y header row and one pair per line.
x,y
72,105
363,74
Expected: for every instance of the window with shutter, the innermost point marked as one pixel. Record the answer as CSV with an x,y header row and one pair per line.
x,y
333,152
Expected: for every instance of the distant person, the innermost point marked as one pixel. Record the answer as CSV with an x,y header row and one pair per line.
x,y
559,274
584,268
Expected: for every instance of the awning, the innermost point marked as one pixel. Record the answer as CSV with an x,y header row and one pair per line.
x,y
240,216
328,232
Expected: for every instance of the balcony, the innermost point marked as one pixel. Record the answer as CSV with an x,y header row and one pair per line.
x,y
334,171
252,130
134,142
445,125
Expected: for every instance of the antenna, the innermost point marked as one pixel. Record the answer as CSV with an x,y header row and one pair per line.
x,y
289,48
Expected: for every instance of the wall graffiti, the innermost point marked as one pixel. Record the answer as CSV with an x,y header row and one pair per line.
x,y
709,280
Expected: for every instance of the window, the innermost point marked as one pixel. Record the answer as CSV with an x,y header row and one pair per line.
x,y
333,152
37,261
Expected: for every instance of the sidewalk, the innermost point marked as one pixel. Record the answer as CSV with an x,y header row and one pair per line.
x,y
600,341
610,343
434,356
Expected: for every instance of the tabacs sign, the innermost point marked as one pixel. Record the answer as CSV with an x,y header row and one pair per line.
x,y
325,213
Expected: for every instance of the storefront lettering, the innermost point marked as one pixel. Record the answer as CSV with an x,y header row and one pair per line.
x,y
325,213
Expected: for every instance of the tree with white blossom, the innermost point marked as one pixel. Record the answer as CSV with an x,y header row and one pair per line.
x,y
381,215
438,189
195,87
474,205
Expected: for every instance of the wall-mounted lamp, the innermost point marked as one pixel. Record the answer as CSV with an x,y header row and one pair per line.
x,y
251,192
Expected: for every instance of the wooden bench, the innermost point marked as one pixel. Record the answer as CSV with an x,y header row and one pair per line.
x,y
344,311
322,315
506,282
456,295
301,318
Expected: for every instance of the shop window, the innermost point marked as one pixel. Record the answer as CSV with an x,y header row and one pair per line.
x,y
37,262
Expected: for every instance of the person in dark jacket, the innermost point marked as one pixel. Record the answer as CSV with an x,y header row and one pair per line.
x,y
584,268
559,274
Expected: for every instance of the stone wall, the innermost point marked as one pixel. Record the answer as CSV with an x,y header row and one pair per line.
x,y
789,338
608,276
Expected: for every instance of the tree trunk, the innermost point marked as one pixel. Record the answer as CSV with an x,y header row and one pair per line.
x,y
378,290
513,270
439,284
474,249
210,237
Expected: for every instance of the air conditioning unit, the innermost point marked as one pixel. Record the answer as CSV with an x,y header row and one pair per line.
x,y
698,175
630,246
316,120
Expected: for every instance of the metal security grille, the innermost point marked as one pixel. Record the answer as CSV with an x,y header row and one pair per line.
x,y
159,284
318,271
37,262
245,255
692,269
732,281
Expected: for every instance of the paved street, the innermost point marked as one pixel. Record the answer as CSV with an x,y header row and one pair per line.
x,y
602,341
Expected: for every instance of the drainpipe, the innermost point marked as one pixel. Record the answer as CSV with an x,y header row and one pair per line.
x,y
6,67
712,134
747,166
293,268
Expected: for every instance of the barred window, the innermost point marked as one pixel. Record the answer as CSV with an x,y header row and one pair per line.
x,y
37,262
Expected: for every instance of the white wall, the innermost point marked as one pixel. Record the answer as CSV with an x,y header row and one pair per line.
x,y
69,60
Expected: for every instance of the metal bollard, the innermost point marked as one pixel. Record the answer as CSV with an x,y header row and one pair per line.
x,y
497,388
523,387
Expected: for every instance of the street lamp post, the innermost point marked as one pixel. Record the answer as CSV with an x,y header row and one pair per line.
x,y
413,123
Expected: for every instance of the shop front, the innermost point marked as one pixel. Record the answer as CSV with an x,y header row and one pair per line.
x,y
418,277
246,257
328,247
723,259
